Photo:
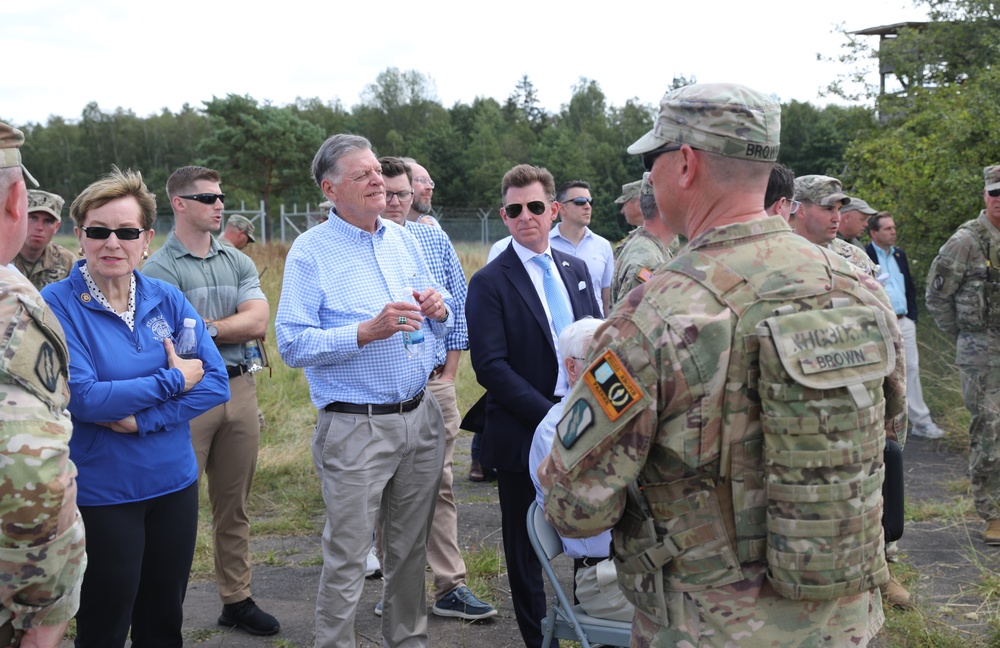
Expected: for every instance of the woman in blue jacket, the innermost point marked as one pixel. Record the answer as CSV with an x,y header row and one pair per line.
x,y
131,398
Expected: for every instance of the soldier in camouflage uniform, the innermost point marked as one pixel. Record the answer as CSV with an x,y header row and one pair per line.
x,y
648,410
818,218
42,557
963,296
629,200
646,248
40,260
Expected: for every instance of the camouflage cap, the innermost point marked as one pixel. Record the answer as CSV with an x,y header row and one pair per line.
x,y
243,224
10,150
646,189
629,191
724,118
992,176
819,189
856,204
43,201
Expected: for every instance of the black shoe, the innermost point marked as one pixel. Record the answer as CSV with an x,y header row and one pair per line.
x,y
246,616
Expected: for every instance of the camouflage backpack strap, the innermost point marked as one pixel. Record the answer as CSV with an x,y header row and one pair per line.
x,y
989,315
982,236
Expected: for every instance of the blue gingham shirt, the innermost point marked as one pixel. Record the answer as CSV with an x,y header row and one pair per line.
x,y
447,269
337,276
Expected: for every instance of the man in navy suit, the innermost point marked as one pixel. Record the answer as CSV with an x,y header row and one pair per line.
x,y
515,310
895,277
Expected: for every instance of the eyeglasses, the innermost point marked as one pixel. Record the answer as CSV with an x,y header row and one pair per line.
x,y
994,193
580,201
424,181
536,207
123,233
649,158
795,204
206,198
402,195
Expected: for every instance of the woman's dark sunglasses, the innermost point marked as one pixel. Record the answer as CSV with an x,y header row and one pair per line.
x,y
536,207
206,198
123,233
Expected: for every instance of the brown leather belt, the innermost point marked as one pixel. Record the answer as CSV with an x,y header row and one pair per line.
x,y
373,410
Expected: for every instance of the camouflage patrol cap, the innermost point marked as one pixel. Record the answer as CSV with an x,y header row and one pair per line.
x,y
724,118
856,204
43,201
629,191
10,150
992,176
243,224
819,189
646,189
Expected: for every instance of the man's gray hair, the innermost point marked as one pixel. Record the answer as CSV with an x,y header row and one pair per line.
x,y
574,340
335,147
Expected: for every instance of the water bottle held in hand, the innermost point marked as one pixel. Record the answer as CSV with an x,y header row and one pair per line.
x,y
186,344
251,356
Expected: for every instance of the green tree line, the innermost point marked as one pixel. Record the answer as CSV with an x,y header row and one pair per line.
x,y
264,151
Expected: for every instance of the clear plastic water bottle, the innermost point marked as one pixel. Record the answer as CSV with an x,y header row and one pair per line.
x,y
186,344
412,342
251,356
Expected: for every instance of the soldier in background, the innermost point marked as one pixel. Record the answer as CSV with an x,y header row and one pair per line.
x,y
40,260
649,409
854,220
647,247
239,232
629,200
780,189
963,296
42,557
818,218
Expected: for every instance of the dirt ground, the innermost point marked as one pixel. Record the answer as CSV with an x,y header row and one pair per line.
x,y
949,558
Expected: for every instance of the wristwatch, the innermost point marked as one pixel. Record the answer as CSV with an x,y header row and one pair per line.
x,y
213,331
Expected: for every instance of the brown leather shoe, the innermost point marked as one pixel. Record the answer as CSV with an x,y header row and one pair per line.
x,y
991,535
896,595
476,472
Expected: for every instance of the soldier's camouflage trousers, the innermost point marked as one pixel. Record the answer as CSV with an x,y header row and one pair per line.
x,y
981,391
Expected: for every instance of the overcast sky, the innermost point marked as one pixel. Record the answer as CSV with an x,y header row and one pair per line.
x,y
145,55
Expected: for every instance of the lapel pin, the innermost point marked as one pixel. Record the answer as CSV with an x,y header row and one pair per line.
x,y
582,286
565,264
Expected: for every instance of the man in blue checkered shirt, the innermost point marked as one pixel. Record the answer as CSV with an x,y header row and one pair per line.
x,y
356,291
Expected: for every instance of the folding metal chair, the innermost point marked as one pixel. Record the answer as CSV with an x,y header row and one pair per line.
x,y
565,620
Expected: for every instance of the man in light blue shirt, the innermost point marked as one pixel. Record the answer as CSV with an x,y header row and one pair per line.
x,y
356,289
595,576
573,236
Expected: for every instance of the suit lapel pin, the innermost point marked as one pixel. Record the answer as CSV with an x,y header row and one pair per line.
x,y
582,286
565,264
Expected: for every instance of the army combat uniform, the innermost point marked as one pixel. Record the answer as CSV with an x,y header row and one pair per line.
x,y
641,254
54,265
856,256
42,556
963,296
649,411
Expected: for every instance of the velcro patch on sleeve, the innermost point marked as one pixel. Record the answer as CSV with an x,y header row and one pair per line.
x,y
612,385
574,423
644,275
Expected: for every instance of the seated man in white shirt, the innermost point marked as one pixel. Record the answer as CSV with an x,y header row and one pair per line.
x,y
596,577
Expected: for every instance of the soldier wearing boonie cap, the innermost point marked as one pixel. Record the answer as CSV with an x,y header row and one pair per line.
x,y
41,531
40,260
664,411
963,296
239,232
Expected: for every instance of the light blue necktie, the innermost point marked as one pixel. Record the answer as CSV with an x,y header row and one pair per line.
x,y
558,308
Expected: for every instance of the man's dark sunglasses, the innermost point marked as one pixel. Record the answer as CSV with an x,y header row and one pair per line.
x,y
994,193
206,198
581,201
536,207
649,158
123,233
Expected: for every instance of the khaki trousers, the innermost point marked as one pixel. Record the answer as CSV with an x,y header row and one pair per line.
x,y
226,439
